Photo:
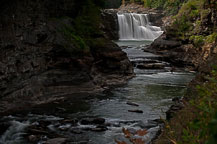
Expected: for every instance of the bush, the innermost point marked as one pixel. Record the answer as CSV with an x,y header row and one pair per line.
x,y
212,38
198,40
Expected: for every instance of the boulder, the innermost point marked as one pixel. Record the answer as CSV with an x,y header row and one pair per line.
x,y
87,121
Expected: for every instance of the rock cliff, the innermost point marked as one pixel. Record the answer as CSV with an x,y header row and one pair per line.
x,y
190,38
50,49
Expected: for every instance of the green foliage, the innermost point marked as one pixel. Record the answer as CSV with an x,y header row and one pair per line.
x,y
198,40
182,25
203,129
212,38
204,13
79,32
170,6
72,38
147,3
189,20
213,130
87,23
191,9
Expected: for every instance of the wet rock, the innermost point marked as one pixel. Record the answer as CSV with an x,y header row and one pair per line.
x,y
151,66
132,103
59,109
136,111
37,131
38,64
56,141
43,123
99,128
3,127
71,121
32,138
76,131
172,110
165,44
176,99
87,121
160,121
110,22
64,127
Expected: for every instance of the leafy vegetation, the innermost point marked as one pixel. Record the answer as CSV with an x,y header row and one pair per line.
x,y
212,37
81,32
72,38
197,122
202,129
198,40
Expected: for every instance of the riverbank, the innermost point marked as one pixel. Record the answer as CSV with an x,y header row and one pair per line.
x,y
196,121
190,40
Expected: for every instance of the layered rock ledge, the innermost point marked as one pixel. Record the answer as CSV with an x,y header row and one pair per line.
x,y
41,62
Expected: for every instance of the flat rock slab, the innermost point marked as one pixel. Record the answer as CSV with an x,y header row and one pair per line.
x,y
151,66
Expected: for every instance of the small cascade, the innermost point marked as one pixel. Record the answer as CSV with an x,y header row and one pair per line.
x,y
134,26
15,133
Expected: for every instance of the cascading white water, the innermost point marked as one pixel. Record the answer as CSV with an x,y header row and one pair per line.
x,y
134,26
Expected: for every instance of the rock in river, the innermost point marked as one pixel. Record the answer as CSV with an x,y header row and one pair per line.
x,y
87,121
136,111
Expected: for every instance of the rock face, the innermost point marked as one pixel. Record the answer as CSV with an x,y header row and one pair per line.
x,y
182,54
189,43
39,64
110,22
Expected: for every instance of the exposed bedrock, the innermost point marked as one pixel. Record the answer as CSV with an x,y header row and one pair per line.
x,y
41,59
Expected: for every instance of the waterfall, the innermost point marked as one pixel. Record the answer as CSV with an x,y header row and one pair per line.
x,y
134,26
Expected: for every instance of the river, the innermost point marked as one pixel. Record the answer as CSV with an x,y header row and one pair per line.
x,y
100,118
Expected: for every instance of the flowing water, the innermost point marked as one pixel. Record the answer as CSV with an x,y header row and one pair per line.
x,y
134,26
100,118
151,89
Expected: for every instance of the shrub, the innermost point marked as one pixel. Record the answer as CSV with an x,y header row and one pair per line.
x,y
212,38
198,40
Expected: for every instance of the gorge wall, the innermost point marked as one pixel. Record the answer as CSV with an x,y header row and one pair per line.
x,y
50,49
190,36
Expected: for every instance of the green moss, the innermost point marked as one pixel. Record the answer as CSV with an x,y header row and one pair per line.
x,y
212,38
